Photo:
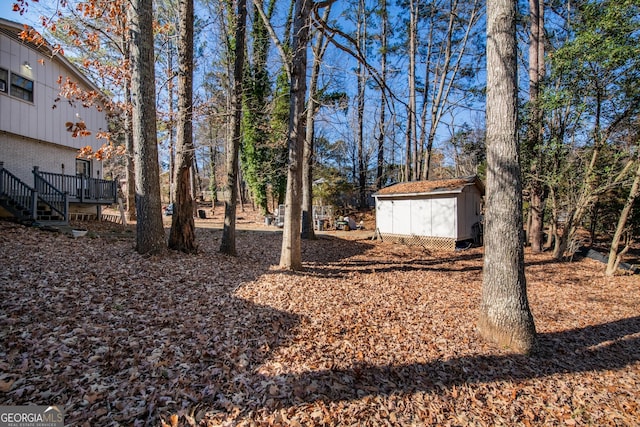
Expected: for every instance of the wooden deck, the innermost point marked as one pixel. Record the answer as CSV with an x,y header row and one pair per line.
x,y
79,188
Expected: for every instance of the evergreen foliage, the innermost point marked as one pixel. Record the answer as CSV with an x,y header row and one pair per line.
x,y
264,124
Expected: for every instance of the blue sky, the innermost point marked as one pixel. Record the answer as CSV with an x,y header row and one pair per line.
x,y
31,17
339,71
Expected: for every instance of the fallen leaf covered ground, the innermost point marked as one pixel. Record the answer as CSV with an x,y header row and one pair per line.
x,y
369,334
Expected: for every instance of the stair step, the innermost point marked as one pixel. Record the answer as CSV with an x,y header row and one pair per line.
x,y
51,218
17,200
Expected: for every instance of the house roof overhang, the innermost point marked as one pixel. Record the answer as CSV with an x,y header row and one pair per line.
x,y
13,30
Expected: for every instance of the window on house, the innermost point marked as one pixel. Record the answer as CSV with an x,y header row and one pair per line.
x,y
21,88
83,167
4,78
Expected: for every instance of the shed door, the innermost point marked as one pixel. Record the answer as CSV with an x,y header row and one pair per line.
x,y
384,214
402,217
443,217
421,217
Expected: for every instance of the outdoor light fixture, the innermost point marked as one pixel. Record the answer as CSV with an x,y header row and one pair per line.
x,y
26,65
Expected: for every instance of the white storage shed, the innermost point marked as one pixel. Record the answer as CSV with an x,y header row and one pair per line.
x,y
435,214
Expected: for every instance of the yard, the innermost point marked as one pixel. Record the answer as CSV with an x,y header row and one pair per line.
x,y
371,333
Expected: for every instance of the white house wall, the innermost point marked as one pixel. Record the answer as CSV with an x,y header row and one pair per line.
x,y
37,125
21,155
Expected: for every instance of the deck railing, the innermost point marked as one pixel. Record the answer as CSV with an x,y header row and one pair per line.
x,y
23,195
27,201
81,188
57,200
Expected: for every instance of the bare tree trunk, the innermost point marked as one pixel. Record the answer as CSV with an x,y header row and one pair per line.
x,y
557,134
130,195
228,242
182,235
412,147
171,125
308,232
130,163
614,255
308,157
505,317
150,235
196,186
380,178
444,80
242,190
213,184
362,87
290,255
535,232
425,96
536,74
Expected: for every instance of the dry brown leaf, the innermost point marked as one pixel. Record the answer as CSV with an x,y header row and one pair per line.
x,y
369,334
5,384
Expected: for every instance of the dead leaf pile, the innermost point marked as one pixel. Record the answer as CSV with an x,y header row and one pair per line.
x,y
369,334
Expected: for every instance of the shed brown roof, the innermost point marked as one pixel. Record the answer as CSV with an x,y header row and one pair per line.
x,y
428,187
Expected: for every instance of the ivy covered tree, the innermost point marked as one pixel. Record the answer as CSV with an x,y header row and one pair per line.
x,y
255,149
278,137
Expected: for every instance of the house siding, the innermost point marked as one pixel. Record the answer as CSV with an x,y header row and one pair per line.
x,y
20,155
34,133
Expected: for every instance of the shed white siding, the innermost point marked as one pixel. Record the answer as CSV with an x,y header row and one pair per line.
x,y
401,217
420,209
443,217
439,212
420,217
384,216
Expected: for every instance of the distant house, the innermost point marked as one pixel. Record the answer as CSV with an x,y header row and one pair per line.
x,y
436,214
41,177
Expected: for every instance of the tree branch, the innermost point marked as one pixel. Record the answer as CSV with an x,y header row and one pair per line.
x,y
356,53
274,37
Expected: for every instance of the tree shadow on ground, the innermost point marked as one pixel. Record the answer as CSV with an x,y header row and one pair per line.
x,y
343,267
607,346
129,340
119,339
439,262
326,250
